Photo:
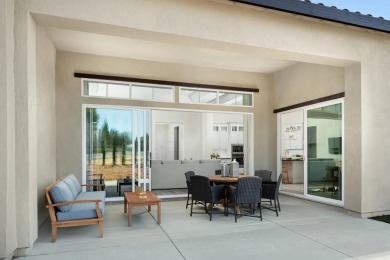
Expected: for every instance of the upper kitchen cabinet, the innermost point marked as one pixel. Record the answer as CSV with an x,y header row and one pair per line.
x,y
236,133
220,138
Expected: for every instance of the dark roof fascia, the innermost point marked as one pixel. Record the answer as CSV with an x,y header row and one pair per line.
x,y
322,12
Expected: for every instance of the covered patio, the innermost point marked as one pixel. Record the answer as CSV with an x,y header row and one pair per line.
x,y
303,230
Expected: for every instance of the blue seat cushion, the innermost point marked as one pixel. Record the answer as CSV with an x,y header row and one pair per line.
x,y
75,182
71,186
84,210
61,193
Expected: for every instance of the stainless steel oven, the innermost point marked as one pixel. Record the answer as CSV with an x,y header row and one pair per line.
x,y
238,154
237,148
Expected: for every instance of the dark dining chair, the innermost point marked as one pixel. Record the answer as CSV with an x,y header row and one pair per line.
x,y
247,191
270,190
202,191
188,181
265,175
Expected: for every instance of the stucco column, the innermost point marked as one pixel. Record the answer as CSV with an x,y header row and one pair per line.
x,y
353,139
375,82
7,130
25,129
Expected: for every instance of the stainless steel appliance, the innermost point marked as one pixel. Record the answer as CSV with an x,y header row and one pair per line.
x,y
238,154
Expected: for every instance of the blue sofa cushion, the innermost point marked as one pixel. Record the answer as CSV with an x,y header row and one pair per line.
x,y
75,182
61,193
84,210
71,186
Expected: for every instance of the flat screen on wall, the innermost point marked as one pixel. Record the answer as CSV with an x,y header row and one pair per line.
x,y
334,145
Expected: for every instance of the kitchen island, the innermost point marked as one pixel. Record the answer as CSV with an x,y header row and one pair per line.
x,y
292,171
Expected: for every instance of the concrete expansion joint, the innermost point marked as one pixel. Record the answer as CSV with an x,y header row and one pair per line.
x,y
170,239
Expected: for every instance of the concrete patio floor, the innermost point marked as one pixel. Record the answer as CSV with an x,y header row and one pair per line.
x,y
303,230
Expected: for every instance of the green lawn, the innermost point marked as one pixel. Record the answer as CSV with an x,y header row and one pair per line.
x,y
383,218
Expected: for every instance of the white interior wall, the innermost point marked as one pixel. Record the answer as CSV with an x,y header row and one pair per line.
x,y
191,128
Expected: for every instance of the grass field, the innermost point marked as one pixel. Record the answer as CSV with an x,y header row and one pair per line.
x,y
110,172
383,218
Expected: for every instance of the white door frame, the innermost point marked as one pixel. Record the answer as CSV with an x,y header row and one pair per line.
x,y
339,203
84,109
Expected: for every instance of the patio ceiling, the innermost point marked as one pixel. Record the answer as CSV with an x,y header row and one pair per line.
x,y
106,45
122,42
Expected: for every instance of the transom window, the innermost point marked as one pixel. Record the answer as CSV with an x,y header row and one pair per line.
x,y
164,93
217,97
137,91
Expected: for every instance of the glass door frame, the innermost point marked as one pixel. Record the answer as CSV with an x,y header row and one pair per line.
x,y
84,143
305,195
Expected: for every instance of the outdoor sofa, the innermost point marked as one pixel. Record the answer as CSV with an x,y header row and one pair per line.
x,y
69,206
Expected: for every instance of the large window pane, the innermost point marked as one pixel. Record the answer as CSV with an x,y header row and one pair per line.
x,y
324,145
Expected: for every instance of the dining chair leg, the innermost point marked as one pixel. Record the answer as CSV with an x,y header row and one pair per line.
x,y
276,209
278,203
188,199
211,213
261,214
235,212
192,203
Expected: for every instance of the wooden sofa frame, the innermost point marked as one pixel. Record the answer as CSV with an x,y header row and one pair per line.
x,y
71,223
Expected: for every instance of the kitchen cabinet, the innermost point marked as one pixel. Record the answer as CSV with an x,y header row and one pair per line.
x,y
236,133
220,138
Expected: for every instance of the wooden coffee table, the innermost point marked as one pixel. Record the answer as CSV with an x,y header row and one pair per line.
x,y
132,199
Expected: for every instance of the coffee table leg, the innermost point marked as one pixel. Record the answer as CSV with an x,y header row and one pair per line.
x,y
149,207
159,212
130,218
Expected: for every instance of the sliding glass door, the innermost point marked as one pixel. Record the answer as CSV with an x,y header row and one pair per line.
x,y
324,150
116,149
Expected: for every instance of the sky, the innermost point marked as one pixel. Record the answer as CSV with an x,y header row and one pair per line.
x,y
376,8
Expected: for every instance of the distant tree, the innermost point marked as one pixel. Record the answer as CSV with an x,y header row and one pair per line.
x,y
104,134
125,140
115,141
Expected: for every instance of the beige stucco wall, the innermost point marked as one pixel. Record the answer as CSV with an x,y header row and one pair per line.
x,y
46,118
221,25
303,82
69,100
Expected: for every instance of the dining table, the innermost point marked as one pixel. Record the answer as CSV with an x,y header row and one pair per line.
x,y
219,179
226,180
